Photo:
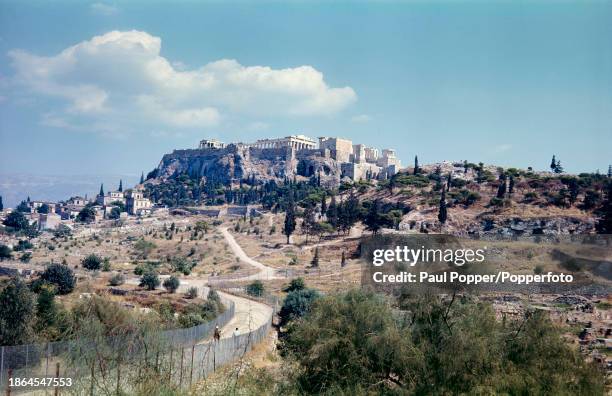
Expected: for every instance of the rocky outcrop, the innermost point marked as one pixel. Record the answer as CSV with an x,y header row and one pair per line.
x,y
558,225
237,162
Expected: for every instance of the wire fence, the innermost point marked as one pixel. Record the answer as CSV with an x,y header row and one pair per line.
x,y
129,356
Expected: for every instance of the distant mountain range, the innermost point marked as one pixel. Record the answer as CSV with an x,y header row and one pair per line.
x,y
16,187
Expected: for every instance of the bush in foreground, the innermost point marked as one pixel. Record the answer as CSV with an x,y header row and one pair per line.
x,y
355,343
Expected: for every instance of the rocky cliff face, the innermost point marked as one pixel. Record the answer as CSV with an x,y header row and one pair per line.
x,y
234,163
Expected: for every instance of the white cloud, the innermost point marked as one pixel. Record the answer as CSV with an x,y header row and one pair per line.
x,y
121,80
103,9
361,119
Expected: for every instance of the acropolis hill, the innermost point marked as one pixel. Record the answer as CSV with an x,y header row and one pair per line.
x,y
331,158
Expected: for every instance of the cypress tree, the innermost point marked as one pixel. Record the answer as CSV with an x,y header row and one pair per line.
x,y
289,220
332,212
553,164
101,193
501,190
465,166
120,189
1,204
574,190
442,212
610,171
449,181
416,165
604,225
324,203
511,185
315,259
558,167
141,177
373,220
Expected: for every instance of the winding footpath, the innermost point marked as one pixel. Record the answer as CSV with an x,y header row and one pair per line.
x,y
264,273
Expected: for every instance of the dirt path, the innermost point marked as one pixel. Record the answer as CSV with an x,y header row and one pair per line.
x,y
264,273
248,315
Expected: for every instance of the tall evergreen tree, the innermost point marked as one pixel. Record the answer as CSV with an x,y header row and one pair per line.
x,y
323,203
553,164
142,178
1,204
332,212
314,263
17,312
558,167
465,166
373,219
289,220
442,212
449,180
308,222
501,190
604,225
609,171
101,193
511,185
120,189
416,165
46,308
574,190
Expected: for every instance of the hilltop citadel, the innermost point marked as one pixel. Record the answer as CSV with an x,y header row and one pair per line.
x,y
330,156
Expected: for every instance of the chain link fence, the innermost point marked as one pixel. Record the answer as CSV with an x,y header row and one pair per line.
x,y
79,359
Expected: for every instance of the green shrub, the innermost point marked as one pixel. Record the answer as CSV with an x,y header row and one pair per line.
x,y
191,293
116,280
149,280
92,262
295,284
61,276
5,252
172,284
22,245
255,289
297,304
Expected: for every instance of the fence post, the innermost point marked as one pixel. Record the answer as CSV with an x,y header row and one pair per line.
x,y
93,368
118,373
2,365
171,364
181,375
8,382
47,363
191,374
57,373
27,358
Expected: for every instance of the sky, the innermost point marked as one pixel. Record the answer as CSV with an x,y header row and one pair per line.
x,y
106,88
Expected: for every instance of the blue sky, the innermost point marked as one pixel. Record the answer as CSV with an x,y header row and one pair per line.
x,y
508,83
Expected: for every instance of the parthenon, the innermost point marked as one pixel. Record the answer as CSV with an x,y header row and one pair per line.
x,y
298,142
